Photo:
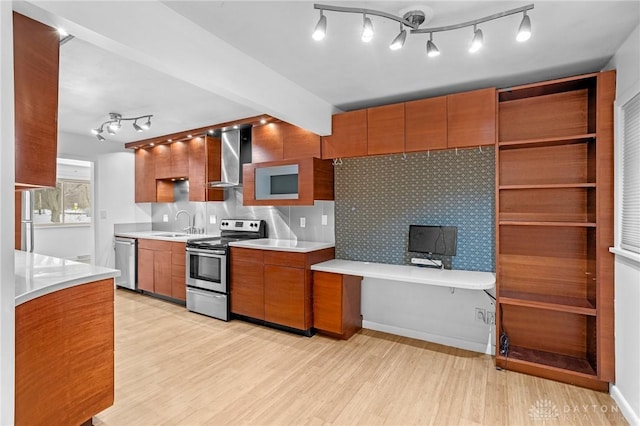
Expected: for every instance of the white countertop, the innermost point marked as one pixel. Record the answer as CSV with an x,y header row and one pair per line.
x,y
472,280
180,237
283,245
38,275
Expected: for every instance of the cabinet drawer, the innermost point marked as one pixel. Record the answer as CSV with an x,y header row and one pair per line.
x,y
157,245
249,255
285,258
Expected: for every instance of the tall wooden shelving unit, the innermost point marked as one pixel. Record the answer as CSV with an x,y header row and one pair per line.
x,y
554,201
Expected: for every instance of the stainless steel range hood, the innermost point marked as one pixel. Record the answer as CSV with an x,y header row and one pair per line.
x,y
236,151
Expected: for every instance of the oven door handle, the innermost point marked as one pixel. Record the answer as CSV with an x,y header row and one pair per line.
x,y
207,253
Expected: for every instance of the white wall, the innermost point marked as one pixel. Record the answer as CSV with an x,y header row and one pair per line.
x,y
626,390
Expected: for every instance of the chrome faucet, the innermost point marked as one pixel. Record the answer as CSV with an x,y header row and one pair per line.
x,y
189,228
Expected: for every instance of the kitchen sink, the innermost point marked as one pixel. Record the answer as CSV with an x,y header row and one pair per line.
x,y
171,235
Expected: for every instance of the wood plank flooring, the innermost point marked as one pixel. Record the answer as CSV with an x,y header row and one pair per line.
x,y
174,367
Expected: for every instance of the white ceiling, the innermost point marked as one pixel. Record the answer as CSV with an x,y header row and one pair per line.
x,y
569,37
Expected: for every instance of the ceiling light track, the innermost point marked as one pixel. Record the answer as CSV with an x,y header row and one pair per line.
x,y
413,19
114,123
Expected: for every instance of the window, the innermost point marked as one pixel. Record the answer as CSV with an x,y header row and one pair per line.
x,y
68,203
630,224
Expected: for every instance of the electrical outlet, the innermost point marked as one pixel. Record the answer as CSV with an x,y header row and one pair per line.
x,y
480,315
490,317
212,219
303,222
325,219
165,218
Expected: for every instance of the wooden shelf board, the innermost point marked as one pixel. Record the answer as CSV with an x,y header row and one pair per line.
x,y
552,141
548,87
538,223
561,363
550,186
573,305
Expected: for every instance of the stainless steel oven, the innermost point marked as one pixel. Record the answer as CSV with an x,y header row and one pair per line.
x,y
207,267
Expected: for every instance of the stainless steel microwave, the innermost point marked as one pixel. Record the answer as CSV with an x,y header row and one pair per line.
x,y
277,182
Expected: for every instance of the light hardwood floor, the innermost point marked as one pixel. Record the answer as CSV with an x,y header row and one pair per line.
x,y
174,367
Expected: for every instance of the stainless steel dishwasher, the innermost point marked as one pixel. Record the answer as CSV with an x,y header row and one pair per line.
x,y
127,262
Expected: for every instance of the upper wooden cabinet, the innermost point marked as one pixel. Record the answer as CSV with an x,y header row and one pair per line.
x,y
385,129
348,136
36,62
471,118
282,141
426,124
204,167
162,161
172,161
145,176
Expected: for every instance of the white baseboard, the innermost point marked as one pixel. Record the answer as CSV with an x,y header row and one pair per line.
x,y
428,337
632,417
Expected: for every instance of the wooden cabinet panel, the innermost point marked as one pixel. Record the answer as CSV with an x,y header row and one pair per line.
x,y
162,272
178,273
471,118
158,245
162,160
348,136
285,258
247,287
179,287
299,143
146,274
145,176
214,167
385,129
426,124
336,304
180,159
36,63
284,296
266,143
197,170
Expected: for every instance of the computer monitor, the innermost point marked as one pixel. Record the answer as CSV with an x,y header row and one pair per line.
x,y
440,240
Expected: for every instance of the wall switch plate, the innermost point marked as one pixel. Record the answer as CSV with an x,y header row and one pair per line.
x,y
165,218
490,317
212,219
480,315
325,219
303,222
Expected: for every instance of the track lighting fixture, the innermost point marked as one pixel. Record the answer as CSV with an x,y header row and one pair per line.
x,y
414,19
367,29
114,123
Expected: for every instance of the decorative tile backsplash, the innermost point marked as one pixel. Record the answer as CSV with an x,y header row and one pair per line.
x,y
377,198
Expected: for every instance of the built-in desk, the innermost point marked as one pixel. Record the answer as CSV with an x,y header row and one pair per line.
x,y
470,280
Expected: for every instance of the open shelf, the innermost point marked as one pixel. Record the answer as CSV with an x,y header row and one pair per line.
x,y
549,186
547,223
567,84
574,305
562,362
551,141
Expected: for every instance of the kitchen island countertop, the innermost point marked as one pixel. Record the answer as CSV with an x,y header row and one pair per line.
x,y
296,246
38,275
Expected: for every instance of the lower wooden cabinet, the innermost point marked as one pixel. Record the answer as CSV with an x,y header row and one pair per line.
x,y
275,286
161,268
336,304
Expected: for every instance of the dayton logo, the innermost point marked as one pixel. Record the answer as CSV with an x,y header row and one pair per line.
x,y
544,410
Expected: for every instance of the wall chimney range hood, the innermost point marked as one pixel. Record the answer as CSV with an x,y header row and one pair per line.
x,y
236,151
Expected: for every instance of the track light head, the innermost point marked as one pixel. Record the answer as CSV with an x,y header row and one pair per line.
x,y
96,131
321,28
147,124
136,127
432,49
110,130
100,137
398,42
367,29
524,31
478,40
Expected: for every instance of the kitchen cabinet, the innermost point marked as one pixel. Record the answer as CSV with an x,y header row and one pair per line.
x,y
348,135
471,118
204,167
426,124
145,176
275,286
336,304
386,129
282,141
162,161
554,200
315,182
36,66
156,261
178,272
171,160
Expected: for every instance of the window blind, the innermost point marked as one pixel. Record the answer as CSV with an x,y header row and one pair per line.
x,y
630,227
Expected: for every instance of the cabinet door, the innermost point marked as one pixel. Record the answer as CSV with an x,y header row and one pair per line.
x,y
213,147
162,272
178,274
197,170
471,118
247,288
348,136
426,124
145,270
284,296
145,176
327,302
299,143
179,159
162,161
385,129
266,143
36,62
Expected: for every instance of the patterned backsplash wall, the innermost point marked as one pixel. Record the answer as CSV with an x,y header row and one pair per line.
x,y
377,198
